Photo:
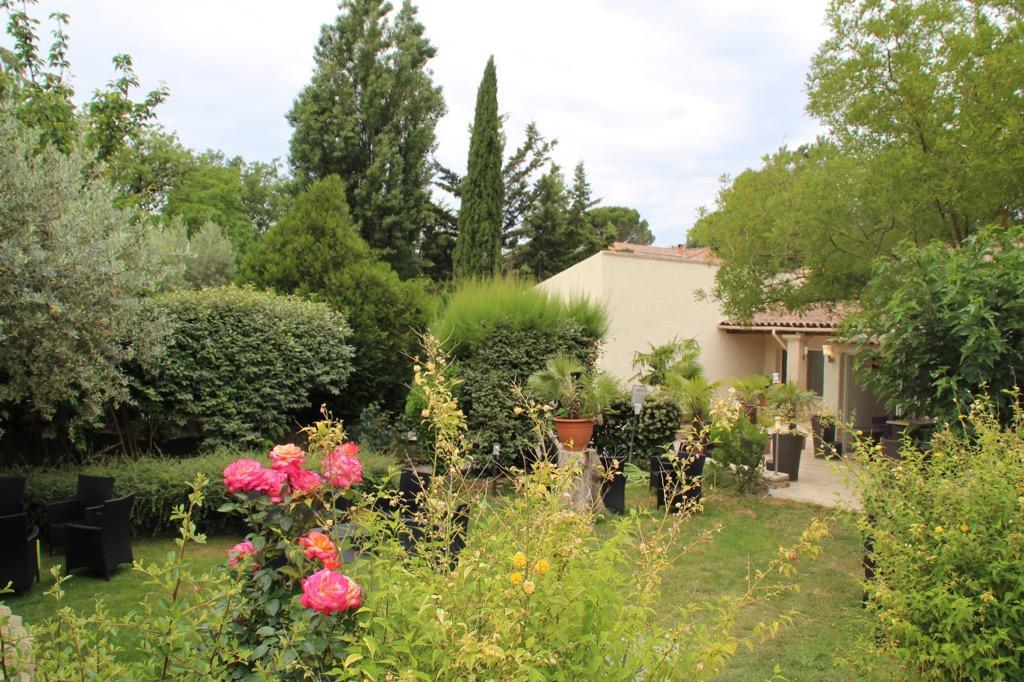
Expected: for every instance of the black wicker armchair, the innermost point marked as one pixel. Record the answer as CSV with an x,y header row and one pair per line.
x,y
104,539
12,495
19,560
92,491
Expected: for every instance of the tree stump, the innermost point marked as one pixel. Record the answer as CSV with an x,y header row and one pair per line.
x,y
584,493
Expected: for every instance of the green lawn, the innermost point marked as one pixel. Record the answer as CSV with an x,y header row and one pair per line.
x,y
828,619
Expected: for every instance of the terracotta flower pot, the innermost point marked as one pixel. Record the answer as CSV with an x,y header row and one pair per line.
x,y
574,434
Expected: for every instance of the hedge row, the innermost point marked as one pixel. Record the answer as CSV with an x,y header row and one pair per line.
x,y
160,484
655,428
241,366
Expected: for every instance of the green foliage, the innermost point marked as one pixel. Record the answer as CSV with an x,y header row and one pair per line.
x,y
368,115
546,226
679,357
791,403
578,391
240,364
478,307
738,444
694,397
945,527
159,484
39,92
620,224
478,249
921,100
750,390
950,324
660,420
73,269
315,250
210,192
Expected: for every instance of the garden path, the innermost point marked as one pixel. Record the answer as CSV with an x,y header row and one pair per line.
x,y
827,483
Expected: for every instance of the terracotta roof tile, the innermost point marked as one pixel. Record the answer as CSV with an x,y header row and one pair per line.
x,y
700,255
816,318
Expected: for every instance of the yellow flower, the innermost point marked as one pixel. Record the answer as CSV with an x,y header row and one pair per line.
x,y
425,413
938,530
416,368
516,578
430,366
517,410
518,559
541,567
964,528
529,587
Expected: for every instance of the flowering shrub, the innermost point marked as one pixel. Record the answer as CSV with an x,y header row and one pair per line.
x,y
738,443
947,529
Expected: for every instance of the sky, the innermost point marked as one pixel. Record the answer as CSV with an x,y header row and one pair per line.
x,y
658,98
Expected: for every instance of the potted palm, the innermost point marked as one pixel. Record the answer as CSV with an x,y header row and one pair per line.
x,y
790,405
694,396
751,391
581,395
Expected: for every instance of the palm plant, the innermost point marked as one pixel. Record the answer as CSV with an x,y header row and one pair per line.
x,y
791,402
694,396
750,390
579,392
678,357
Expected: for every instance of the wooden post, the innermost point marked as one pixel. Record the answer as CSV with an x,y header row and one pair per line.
x,y
584,494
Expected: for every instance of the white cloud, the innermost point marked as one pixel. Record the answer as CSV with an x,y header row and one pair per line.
x,y
658,98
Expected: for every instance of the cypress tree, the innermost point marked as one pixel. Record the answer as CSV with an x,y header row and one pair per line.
x,y
478,248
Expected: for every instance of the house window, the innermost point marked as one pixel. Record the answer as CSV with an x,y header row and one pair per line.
x,y
816,372
785,364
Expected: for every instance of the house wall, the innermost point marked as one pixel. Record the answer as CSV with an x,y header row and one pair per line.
x,y
653,300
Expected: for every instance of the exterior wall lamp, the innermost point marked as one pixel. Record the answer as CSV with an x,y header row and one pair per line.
x,y
828,351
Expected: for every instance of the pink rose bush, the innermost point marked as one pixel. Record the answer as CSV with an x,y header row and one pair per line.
x,y
288,506
330,592
240,551
342,468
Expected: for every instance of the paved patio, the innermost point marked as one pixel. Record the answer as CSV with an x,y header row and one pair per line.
x,y
821,482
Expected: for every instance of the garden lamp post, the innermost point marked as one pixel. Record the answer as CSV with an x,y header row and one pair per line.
x,y
637,398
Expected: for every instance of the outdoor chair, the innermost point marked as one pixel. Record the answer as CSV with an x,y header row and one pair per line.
x,y
92,491
104,539
12,495
19,560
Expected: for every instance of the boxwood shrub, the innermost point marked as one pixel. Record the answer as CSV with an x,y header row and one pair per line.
x,y
656,427
241,366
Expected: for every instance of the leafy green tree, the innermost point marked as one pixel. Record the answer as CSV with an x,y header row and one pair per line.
x,y
39,90
942,325
620,224
265,191
73,270
580,231
546,225
921,100
212,192
478,249
315,250
369,116
146,171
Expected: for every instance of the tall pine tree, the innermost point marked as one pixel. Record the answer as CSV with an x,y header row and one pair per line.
x,y
546,224
478,249
581,235
369,116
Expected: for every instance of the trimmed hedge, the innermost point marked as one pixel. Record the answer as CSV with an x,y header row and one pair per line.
x,y
656,428
161,483
241,366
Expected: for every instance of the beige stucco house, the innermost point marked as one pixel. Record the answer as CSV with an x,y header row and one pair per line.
x,y
654,294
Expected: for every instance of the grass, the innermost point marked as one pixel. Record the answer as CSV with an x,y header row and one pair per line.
x,y
827,616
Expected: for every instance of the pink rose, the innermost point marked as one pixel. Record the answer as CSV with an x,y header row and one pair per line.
x,y
236,553
242,475
330,592
303,481
342,467
319,546
270,482
287,457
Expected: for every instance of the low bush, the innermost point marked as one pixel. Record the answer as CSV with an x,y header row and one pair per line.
x,y
947,530
738,443
241,366
159,484
656,428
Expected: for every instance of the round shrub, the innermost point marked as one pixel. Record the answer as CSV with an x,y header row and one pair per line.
x,y
656,427
241,365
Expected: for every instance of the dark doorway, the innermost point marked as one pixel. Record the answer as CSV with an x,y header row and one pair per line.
x,y
816,372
